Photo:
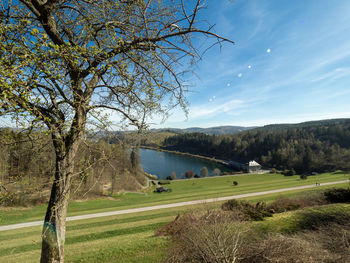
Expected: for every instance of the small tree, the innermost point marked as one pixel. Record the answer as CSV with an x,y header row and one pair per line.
x,y
135,160
289,172
303,176
273,171
204,172
173,175
216,172
189,174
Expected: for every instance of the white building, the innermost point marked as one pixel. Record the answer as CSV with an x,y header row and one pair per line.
x,y
248,166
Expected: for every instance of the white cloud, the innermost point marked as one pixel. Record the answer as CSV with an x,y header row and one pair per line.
x,y
268,50
209,110
239,75
334,74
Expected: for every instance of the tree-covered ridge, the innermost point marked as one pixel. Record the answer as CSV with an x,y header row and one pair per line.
x,y
305,148
27,163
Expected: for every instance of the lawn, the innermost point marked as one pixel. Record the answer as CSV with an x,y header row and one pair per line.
x,y
123,238
182,190
130,237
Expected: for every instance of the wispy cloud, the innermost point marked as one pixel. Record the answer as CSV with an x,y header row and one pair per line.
x,y
334,74
307,66
208,110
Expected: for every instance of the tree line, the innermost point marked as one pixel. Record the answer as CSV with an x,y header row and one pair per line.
x,y
317,148
27,162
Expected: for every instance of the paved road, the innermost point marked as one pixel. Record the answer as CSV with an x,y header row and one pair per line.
x,y
149,208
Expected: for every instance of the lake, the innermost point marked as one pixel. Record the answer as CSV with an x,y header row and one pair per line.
x,y
163,163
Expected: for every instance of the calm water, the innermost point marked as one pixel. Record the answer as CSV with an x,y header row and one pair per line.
x,y
163,163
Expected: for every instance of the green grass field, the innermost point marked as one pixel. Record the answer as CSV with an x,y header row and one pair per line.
x,y
123,238
130,237
182,190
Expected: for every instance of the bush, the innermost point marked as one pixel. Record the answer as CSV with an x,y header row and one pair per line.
x,y
204,171
235,183
315,219
221,236
337,195
189,174
161,182
169,178
289,172
183,222
303,176
335,238
216,172
284,204
283,249
211,236
256,213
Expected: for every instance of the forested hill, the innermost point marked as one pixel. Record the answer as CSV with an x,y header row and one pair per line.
x,y
313,146
210,131
304,124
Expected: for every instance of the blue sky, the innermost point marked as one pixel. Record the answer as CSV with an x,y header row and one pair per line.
x,y
290,63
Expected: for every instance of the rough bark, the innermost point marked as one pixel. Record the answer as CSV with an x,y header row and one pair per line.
x,y
54,229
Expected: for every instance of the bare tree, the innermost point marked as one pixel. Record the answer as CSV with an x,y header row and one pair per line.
x,y
66,63
204,171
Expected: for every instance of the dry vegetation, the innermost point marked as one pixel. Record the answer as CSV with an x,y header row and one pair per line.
x,y
27,169
319,234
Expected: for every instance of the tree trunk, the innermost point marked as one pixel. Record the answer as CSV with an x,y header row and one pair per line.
x,y
54,229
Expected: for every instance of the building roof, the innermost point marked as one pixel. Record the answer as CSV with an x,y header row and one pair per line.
x,y
253,163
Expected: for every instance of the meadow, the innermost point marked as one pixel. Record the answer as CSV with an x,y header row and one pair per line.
x,y
130,237
182,190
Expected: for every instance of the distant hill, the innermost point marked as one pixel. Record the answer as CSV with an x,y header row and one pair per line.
x,y
210,131
316,146
219,130
278,127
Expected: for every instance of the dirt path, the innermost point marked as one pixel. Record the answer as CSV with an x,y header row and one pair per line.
x,y
149,208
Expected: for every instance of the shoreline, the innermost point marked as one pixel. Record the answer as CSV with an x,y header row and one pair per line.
x,y
212,159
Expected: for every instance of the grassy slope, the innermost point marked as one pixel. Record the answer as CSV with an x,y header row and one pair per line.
x,y
183,190
124,238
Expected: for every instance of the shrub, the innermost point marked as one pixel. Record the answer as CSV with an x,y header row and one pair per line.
x,y
284,204
204,171
315,219
221,236
303,176
273,171
337,195
189,174
169,178
212,236
235,183
161,182
216,172
283,249
183,222
256,213
335,238
289,172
